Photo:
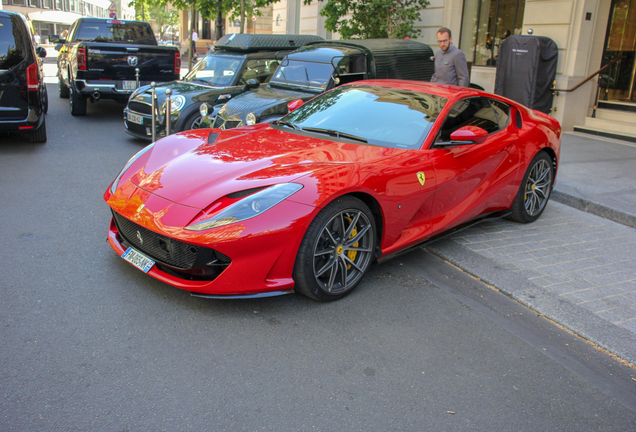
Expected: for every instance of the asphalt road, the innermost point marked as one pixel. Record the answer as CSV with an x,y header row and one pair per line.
x,y
90,343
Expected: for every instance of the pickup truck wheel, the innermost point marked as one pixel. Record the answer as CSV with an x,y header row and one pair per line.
x,y
38,135
78,104
62,89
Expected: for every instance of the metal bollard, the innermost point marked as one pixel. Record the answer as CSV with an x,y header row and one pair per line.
x,y
137,77
153,103
168,111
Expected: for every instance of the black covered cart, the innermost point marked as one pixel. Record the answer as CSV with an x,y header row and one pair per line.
x,y
526,69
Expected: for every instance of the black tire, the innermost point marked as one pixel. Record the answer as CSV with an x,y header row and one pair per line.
x,y
336,251
45,100
535,189
62,89
38,135
193,122
78,104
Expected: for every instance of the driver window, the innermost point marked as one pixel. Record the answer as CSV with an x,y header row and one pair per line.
x,y
352,69
469,112
256,69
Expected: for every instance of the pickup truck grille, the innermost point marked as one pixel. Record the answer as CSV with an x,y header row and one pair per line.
x,y
139,107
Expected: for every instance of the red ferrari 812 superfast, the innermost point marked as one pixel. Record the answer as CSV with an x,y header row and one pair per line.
x,y
307,203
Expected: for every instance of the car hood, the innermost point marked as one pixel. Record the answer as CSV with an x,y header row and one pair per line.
x,y
186,169
261,99
190,89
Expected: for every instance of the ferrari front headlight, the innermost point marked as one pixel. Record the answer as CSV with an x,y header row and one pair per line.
x,y
249,207
251,119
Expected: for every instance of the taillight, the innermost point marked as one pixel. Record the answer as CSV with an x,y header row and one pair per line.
x,y
33,83
177,63
81,58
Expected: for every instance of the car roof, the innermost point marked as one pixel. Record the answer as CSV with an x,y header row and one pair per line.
x,y
262,42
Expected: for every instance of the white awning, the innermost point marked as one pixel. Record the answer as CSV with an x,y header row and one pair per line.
x,y
59,17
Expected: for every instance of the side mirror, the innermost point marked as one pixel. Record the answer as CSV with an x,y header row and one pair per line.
x,y
41,52
469,135
252,84
295,104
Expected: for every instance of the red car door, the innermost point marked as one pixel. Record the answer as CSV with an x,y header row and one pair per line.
x,y
473,179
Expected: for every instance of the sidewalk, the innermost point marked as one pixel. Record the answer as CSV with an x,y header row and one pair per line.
x,y
577,263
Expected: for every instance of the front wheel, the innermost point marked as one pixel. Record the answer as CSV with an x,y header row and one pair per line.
x,y
535,189
193,122
62,89
336,251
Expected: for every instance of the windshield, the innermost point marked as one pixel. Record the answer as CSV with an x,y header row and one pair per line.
x,y
12,49
305,74
218,70
116,31
382,116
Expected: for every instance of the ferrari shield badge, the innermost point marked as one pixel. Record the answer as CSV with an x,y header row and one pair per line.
x,y
141,207
421,177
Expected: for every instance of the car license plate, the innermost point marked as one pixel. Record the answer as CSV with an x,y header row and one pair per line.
x,y
130,85
135,118
139,260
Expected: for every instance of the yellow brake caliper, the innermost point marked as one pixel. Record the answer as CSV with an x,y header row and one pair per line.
x,y
352,254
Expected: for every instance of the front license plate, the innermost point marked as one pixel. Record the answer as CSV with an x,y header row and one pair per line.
x,y
139,260
130,85
134,118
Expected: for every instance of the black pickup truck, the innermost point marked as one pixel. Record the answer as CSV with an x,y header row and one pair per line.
x,y
99,58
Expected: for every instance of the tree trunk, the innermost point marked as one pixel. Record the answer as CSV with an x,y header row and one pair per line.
x,y
242,16
218,31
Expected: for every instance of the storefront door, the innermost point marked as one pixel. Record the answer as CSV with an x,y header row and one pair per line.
x,y
619,81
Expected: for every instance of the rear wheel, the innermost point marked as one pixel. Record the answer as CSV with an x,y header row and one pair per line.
x,y
78,104
534,191
337,250
38,135
62,89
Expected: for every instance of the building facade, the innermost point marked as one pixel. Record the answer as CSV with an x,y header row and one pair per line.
x,y
54,16
588,33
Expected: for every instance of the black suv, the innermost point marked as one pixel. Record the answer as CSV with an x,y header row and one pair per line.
x,y
321,66
237,61
23,97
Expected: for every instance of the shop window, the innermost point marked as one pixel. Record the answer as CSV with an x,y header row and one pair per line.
x,y
33,3
46,4
485,24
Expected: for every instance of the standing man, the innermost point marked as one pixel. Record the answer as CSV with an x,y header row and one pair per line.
x,y
194,39
450,62
36,38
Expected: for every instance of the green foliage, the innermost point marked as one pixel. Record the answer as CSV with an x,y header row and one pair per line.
x,y
373,18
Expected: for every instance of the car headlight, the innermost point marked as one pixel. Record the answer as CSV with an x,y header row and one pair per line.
x,y
251,119
176,103
113,187
203,110
250,206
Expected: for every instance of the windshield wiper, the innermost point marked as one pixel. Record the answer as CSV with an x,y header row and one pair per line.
x,y
335,133
286,123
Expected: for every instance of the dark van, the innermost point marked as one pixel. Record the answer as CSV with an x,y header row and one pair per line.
x,y
23,97
320,66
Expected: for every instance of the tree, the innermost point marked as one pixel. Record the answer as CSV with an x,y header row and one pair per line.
x,y
373,18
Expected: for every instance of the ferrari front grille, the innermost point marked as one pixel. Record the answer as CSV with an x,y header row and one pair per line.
x,y
168,251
